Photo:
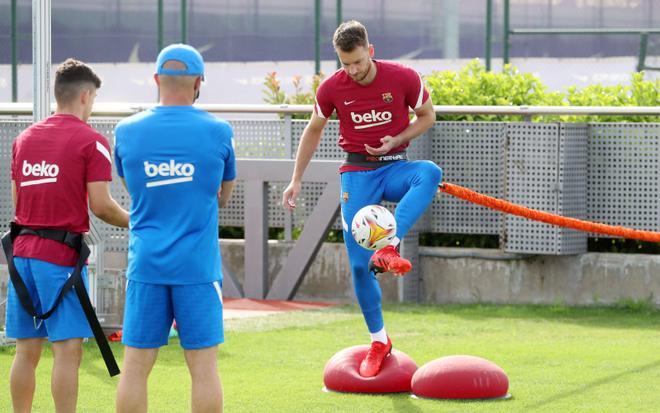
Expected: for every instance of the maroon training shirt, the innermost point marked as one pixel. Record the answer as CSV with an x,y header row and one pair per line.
x,y
368,113
52,161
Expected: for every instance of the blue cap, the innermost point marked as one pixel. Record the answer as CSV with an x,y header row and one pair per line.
x,y
183,53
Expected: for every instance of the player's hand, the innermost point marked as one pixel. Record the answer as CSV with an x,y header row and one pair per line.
x,y
289,195
388,143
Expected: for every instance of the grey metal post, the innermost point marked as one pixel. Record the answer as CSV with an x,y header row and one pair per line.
x,y
643,42
340,19
489,33
160,25
184,21
412,283
317,36
14,52
450,38
290,153
506,32
41,47
256,239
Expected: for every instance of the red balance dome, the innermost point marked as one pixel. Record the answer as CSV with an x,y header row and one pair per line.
x,y
460,377
341,372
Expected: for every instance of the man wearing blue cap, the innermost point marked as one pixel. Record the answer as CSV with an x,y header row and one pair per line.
x,y
178,164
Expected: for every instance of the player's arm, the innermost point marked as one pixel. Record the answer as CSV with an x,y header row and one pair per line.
x,y
226,189
14,196
309,141
424,119
104,206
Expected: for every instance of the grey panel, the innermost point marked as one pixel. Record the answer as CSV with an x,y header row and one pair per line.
x,y
546,171
116,239
470,155
624,174
532,174
260,138
327,149
572,188
10,127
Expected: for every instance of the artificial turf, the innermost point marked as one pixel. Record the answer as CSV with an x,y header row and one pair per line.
x,y
558,359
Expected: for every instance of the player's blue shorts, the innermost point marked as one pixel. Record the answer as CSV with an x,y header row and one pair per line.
x,y
150,310
44,281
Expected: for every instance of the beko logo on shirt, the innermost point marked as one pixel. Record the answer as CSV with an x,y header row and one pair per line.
x,y
45,171
174,172
370,119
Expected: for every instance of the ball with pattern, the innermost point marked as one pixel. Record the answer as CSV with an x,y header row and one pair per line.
x,y
373,227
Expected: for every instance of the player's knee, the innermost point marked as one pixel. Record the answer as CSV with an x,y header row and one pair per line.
x,y
431,172
28,357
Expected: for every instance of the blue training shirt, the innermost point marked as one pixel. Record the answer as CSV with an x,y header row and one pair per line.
x,y
174,159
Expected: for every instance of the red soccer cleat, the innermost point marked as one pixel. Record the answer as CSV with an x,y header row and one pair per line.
x,y
372,362
387,259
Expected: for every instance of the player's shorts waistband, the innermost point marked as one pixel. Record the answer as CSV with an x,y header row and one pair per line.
x,y
374,161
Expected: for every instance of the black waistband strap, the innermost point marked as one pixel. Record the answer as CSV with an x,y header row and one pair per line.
x,y
374,161
74,282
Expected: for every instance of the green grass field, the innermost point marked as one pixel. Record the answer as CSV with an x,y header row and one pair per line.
x,y
558,360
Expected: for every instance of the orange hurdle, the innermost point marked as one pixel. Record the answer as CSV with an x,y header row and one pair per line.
x,y
553,219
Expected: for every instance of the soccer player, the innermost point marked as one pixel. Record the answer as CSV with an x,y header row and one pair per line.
x,y
372,100
177,162
58,165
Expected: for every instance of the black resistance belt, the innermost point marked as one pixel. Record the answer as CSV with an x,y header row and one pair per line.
x,y
374,161
74,282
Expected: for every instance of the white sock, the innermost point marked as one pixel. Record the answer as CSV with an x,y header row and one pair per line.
x,y
379,336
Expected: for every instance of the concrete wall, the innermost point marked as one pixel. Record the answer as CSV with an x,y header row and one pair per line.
x,y
457,275
586,279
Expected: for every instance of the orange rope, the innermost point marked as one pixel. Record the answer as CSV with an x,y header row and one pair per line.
x,y
548,218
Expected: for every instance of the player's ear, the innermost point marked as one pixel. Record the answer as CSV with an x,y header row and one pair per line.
x,y
85,95
371,50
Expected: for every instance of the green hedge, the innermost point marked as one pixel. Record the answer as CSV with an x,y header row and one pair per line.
x,y
473,85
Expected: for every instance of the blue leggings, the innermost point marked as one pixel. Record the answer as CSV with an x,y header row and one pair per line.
x,y
413,184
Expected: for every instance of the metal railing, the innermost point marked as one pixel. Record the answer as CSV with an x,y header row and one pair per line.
x,y
127,109
508,32
641,32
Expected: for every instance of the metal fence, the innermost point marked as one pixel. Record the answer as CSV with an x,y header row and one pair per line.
x,y
606,172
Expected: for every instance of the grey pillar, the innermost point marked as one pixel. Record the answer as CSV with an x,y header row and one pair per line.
x,y
256,239
41,46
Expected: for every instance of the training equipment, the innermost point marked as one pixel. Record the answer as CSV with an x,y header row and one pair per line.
x,y
341,372
373,227
460,377
542,216
388,259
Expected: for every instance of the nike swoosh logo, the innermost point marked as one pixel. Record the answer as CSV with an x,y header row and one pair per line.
x,y
348,102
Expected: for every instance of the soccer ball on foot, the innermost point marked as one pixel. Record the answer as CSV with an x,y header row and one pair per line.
x,y
373,227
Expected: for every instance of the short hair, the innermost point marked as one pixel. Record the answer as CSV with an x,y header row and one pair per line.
x,y
70,79
176,81
350,35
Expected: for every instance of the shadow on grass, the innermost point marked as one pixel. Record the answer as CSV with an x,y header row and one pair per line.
x,y
405,404
600,317
92,354
593,384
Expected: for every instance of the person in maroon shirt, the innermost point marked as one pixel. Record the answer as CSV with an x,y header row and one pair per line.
x,y
372,99
59,166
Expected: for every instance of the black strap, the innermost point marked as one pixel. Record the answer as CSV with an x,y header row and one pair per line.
x,y
374,161
74,282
